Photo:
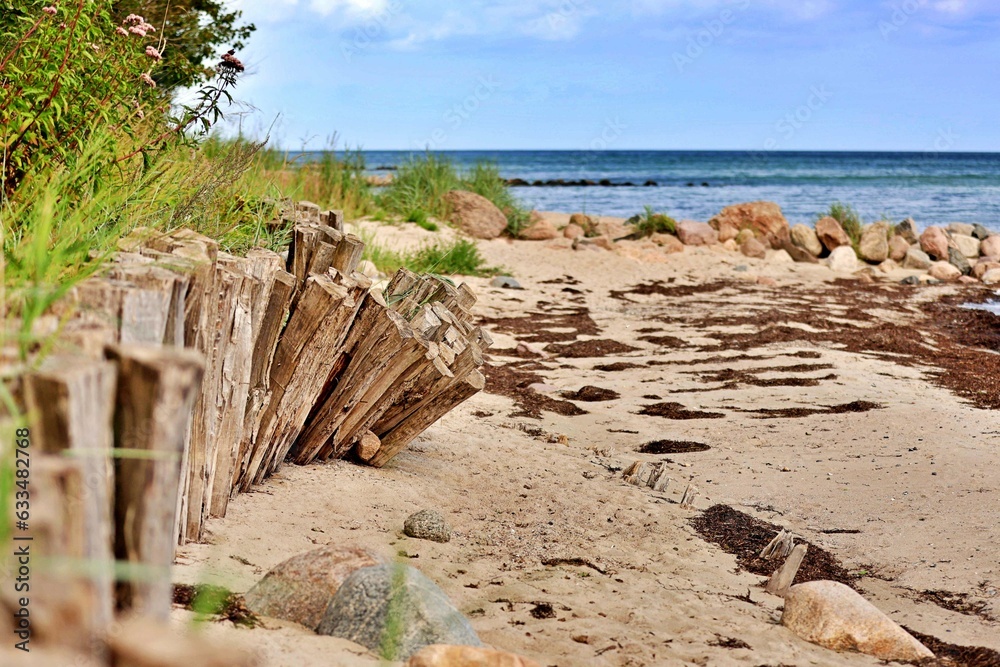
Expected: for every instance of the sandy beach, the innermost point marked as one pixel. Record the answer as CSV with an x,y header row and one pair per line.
x,y
845,411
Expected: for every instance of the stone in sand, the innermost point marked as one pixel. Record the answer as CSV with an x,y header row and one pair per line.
x,y
573,230
584,222
917,259
427,525
754,248
898,248
668,243
475,215
874,245
505,282
540,229
968,245
991,277
990,246
983,267
832,615
368,268
935,243
959,261
744,236
466,656
799,254
831,234
908,230
944,271
805,237
696,233
396,611
763,217
780,256
962,228
843,260
888,266
300,588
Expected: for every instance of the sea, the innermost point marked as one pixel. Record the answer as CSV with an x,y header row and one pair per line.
x,y
933,188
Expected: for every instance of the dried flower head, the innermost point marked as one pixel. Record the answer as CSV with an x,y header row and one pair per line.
x,y
153,53
231,62
50,10
148,80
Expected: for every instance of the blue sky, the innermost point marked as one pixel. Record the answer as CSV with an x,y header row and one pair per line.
x,y
916,75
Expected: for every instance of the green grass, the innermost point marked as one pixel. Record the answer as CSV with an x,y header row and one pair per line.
x,y
458,257
419,218
651,222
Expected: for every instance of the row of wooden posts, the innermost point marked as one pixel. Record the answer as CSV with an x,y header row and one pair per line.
x,y
196,374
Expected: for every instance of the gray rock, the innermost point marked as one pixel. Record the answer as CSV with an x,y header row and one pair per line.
x,y
917,259
395,611
427,525
805,237
843,260
980,232
874,246
908,230
505,282
962,228
910,280
959,261
741,267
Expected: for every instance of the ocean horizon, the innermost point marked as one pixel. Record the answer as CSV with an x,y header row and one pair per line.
x,y
934,188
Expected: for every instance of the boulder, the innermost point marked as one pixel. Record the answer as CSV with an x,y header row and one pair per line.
x,y
300,588
800,254
832,615
991,277
367,267
984,267
990,246
466,656
668,243
764,218
916,259
944,271
898,247
744,236
421,614
475,215
780,256
584,222
935,243
573,231
967,280
540,229
427,525
696,233
505,282
805,237
908,230
962,228
874,245
967,245
754,248
959,261
731,245
831,234
843,260
980,232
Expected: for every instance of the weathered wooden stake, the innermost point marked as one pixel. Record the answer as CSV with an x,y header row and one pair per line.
x,y
783,577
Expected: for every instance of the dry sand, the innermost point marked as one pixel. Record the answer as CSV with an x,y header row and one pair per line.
x,y
916,479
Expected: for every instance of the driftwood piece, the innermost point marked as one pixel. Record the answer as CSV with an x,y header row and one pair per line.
x,y
71,404
690,493
155,397
303,363
348,254
783,577
427,413
659,480
333,219
780,546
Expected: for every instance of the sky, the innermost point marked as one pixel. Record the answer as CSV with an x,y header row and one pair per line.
x,y
918,75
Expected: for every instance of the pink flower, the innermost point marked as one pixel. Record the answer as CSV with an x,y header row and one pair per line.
x,y
50,10
96,48
140,114
133,19
137,30
148,80
153,53
121,31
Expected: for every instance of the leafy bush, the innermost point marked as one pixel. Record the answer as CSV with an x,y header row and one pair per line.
x,y
650,222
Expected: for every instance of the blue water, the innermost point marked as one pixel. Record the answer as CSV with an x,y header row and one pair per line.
x,y
933,188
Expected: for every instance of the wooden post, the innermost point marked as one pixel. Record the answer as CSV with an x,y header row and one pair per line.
x,y
71,404
780,546
155,398
687,500
783,577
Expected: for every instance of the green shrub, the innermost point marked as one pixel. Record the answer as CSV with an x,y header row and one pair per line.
x,y
650,222
419,218
459,257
